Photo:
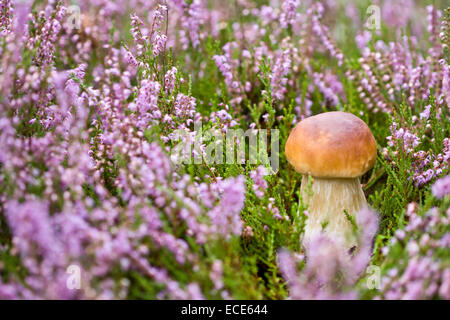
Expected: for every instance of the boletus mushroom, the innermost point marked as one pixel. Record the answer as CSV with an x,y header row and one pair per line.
x,y
336,149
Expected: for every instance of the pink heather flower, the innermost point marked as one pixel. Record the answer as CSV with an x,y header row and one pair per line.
x,y
159,16
410,141
397,12
260,185
248,232
136,26
184,106
194,292
225,217
32,227
287,265
425,164
322,32
147,100
421,275
224,67
367,221
329,86
192,19
305,109
6,9
227,66
363,38
169,79
216,274
444,289
288,12
267,14
400,234
441,187
131,59
275,211
223,119
327,262
159,43
280,69
434,17
425,114
318,280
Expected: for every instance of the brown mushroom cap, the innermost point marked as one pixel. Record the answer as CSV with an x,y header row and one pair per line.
x,y
332,145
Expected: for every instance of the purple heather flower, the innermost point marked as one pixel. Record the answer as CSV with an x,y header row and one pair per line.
x,y
131,59
363,38
280,69
216,274
260,185
441,187
169,79
425,114
397,13
288,12
225,217
32,228
159,43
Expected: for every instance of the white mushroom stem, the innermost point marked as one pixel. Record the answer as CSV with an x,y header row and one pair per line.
x,y
326,207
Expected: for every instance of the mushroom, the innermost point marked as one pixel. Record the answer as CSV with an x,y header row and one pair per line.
x,y
335,148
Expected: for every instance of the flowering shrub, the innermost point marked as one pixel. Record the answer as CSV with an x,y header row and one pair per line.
x,y
95,106
330,271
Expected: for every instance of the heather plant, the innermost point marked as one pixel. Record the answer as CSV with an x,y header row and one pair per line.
x,y
95,107
416,264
